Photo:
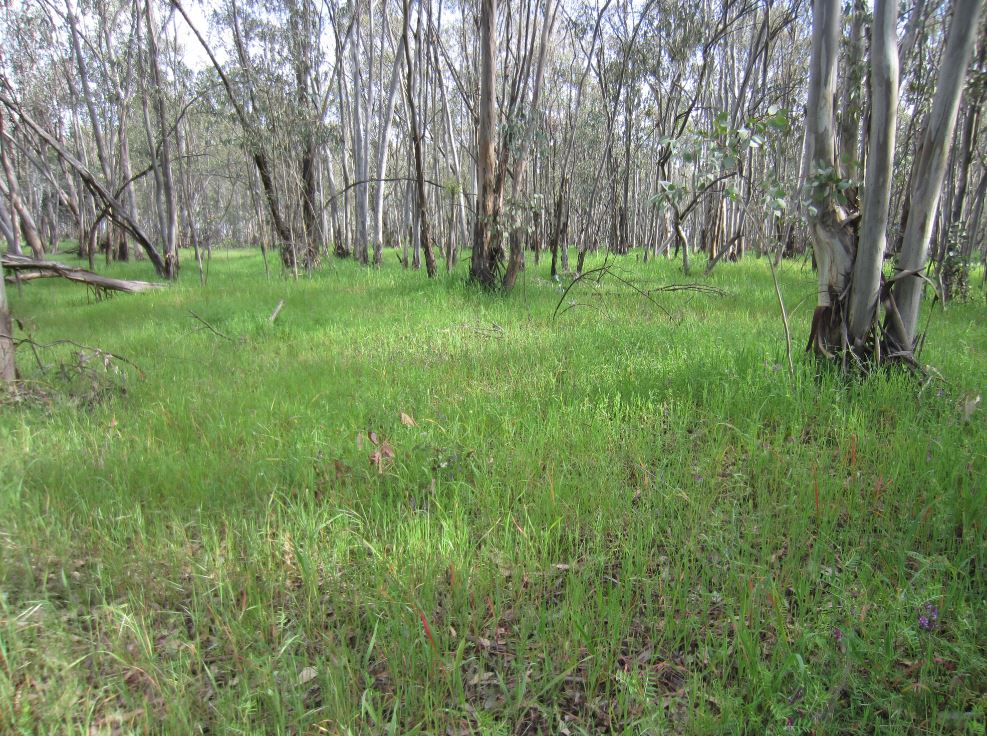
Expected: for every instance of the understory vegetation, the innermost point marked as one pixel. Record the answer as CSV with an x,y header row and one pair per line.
x,y
411,506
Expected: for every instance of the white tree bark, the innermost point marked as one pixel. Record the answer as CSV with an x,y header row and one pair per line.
x,y
13,193
7,226
361,142
880,160
382,151
834,255
930,169
7,370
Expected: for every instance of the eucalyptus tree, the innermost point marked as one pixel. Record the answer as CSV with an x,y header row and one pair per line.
x,y
567,120
670,126
850,279
487,254
384,139
417,134
12,191
704,130
270,57
8,370
161,164
505,130
105,68
34,104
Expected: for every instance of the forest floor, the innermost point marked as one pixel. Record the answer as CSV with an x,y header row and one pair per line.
x,y
412,507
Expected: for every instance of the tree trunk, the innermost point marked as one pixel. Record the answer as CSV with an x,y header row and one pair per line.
x,y
832,242
852,103
520,165
872,243
973,222
170,209
929,171
361,149
425,237
382,150
7,225
8,371
486,250
457,238
28,228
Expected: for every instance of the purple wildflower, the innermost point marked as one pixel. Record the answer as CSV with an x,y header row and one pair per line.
x,y
838,635
928,617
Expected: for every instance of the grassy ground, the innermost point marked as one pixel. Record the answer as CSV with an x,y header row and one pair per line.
x,y
615,521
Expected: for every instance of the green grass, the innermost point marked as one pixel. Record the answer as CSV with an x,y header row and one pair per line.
x,y
610,522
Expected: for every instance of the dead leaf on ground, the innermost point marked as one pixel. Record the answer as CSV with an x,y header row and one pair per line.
x,y
307,675
408,421
382,457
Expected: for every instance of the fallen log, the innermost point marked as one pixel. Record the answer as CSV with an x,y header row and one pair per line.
x,y
42,269
23,276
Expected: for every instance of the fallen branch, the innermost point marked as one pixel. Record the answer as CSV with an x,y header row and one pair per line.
x,y
276,312
43,269
207,326
607,270
104,354
22,276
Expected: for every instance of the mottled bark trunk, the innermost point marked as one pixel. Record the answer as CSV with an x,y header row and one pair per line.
x,y
485,259
833,243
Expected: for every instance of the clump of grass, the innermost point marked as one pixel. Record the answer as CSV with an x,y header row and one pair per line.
x,y
610,521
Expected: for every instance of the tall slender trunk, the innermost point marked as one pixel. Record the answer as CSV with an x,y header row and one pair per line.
x,y
520,163
130,200
187,199
971,129
424,236
7,225
485,259
169,216
833,244
973,222
929,171
852,104
880,161
8,371
382,151
361,134
457,238
20,210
